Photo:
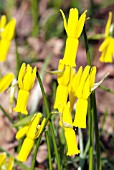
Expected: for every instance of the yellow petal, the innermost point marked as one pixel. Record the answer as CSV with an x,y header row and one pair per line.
x,y
33,76
40,128
92,77
6,81
9,30
21,75
22,100
80,115
108,24
65,77
72,22
4,48
80,24
71,142
66,116
86,89
2,158
84,76
61,97
71,52
64,19
77,80
33,127
2,21
25,149
104,45
21,132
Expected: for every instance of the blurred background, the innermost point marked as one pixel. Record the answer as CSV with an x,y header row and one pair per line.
x,y
40,40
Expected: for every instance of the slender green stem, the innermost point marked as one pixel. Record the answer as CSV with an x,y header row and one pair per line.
x,y
50,126
87,47
24,167
96,133
38,143
49,150
106,89
6,114
34,11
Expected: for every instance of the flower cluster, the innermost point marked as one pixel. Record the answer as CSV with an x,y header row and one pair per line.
x,y
73,86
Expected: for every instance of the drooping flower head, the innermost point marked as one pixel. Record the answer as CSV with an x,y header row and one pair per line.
x,y
32,131
107,47
6,35
73,29
26,80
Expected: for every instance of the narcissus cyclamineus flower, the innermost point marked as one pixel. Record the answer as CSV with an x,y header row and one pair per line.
x,y
5,81
6,35
32,131
6,164
107,47
66,123
84,82
73,29
26,80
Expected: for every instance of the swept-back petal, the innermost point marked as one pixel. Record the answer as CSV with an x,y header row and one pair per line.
x,y
64,19
80,24
6,81
108,24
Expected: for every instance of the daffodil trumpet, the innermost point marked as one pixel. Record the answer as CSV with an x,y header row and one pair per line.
x,y
67,125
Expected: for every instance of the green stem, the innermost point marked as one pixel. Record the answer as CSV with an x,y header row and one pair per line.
x,y
7,115
50,126
34,11
90,110
87,47
106,89
96,133
15,160
49,150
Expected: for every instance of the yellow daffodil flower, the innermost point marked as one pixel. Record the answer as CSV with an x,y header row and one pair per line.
x,y
26,80
66,123
107,47
5,81
73,29
84,82
6,164
6,35
32,131
62,89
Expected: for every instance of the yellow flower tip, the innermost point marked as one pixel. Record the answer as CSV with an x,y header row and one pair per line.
x,y
108,24
26,77
22,102
2,22
76,152
71,142
5,81
25,149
